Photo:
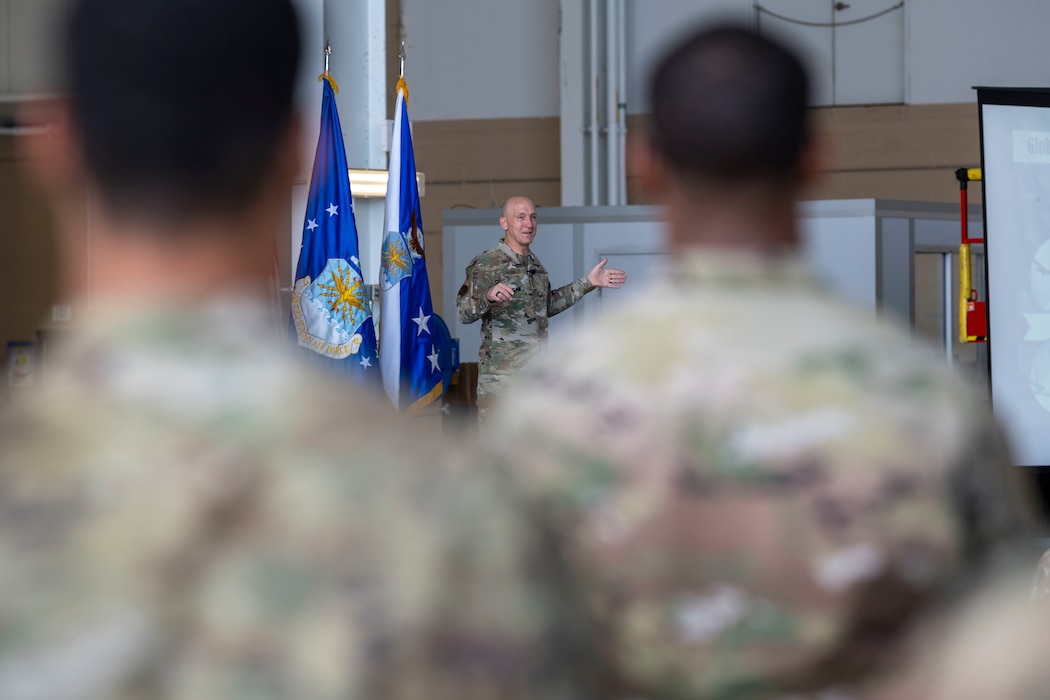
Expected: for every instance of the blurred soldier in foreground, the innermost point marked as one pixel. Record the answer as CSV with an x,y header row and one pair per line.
x,y
184,512
507,287
765,490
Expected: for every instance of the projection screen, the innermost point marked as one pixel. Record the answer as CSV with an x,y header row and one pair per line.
x,y
1015,160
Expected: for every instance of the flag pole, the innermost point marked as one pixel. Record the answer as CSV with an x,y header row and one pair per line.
x,y
410,361
327,75
402,86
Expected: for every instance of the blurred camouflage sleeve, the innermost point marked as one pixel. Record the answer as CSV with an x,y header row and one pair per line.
x,y
509,622
233,577
482,274
563,297
468,599
993,499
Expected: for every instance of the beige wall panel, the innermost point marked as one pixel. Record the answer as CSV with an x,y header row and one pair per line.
x,y
28,273
483,150
896,152
915,185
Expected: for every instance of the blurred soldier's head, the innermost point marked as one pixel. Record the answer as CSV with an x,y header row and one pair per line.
x,y
180,108
729,105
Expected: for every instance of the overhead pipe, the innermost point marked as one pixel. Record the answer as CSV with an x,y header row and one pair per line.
x,y
622,100
593,114
611,81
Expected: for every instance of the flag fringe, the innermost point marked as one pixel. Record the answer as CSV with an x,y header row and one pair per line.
x,y
331,81
427,399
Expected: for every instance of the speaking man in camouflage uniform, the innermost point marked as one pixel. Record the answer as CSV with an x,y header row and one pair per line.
x,y
185,513
764,489
508,289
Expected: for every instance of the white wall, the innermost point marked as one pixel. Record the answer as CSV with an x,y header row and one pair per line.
x,y
950,45
653,26
956,44
476,59
472,59
486,59
481,59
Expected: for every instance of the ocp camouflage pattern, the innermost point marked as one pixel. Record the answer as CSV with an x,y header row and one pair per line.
x,y
759,485
185,513
511,333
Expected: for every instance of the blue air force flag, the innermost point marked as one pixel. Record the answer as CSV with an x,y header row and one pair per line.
x,y
331,309
409,357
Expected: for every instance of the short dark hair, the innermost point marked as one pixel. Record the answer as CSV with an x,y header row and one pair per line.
x,y
730,104
180,105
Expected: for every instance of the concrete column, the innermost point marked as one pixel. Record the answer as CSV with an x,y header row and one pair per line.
x,y
357,32
308,90
308,103
573,87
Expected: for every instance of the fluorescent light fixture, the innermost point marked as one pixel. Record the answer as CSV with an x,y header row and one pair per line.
x,y
372,183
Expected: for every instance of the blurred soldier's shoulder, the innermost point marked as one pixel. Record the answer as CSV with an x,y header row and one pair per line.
x,y
232,520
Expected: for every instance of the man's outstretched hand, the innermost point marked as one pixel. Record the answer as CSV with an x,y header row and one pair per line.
x,y
600,277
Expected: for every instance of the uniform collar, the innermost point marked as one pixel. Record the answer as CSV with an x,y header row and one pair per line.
x,y
732,268
513,256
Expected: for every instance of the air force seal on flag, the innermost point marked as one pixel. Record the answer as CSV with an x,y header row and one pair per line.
x,y
328,311
397,259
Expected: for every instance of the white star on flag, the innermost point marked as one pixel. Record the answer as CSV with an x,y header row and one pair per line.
x,y
311,225
332,209
423,321
433,357
366,362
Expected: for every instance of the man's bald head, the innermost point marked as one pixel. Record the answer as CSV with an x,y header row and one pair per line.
x,y
518,221
516,200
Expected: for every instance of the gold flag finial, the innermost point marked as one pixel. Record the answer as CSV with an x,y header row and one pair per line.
x,y
402,86
327,75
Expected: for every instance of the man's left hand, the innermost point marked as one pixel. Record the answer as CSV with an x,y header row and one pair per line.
x,y
600,277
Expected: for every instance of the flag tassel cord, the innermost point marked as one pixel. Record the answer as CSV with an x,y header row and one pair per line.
x,y
424,401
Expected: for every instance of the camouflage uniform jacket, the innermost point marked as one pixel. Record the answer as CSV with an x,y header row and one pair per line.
x,y
513,332
740,467
186,513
